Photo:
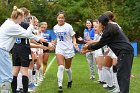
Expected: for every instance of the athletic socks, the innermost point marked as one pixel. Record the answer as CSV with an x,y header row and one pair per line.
x,y
25,83
30,76
60,74
69,74
108,77
14,84
19,81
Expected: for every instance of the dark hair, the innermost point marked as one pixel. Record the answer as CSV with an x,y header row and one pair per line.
x,y
110,15
90,22
61,12
103,19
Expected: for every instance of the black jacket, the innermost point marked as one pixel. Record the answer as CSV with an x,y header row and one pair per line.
x,y
113,37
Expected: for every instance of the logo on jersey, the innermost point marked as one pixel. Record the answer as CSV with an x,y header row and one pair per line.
x,y
61,35
18,40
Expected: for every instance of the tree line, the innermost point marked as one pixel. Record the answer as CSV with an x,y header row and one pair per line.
x,y
127,12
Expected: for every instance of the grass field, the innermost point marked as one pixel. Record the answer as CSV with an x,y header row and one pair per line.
x,y
81,82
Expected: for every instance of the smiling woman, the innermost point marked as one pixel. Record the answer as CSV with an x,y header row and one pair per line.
x,y
11,29
64,49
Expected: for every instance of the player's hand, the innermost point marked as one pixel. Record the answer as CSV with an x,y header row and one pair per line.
x,y
80,38
88,38
85,46
51,46
44,47
41,40
76,47
84,49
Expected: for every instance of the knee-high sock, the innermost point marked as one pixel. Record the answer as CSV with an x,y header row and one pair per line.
x,y
103,74
100,72
108,77
19,81
30,76
115,81
60,74
14,84
25,83
69,74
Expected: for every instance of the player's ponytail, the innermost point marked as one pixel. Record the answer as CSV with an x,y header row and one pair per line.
x,y
16,12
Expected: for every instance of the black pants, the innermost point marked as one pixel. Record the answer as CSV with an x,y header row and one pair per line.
x,y
124,66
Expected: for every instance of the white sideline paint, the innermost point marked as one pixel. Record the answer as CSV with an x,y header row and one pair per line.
x,y
48,67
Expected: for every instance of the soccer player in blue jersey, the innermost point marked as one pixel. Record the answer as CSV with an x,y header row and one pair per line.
x,y
49,36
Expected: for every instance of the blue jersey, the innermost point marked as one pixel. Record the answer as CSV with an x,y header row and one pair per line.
x,y
49,35
89,33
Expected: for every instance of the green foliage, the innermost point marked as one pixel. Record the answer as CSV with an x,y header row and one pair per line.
x,y
77,11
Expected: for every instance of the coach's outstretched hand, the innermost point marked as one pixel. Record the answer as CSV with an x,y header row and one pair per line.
x,y
85,49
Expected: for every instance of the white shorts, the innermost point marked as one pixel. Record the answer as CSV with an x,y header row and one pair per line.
x,y
67,53
98,52
111,54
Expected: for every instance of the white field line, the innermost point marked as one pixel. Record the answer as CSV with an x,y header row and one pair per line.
x,y
48,67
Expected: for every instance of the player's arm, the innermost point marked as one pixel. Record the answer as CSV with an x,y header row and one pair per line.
x,y
74,43
91,42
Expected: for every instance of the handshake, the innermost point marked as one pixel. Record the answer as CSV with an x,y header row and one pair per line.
x,y
84,49
48,46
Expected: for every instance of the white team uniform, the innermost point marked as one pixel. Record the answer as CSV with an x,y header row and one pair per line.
x,y
64,44
111,54
98,52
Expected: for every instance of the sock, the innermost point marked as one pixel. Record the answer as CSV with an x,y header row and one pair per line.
x,y
19,81
103,73
14,84
41,72
69,74
60,74
30,76
108,77
115,81
25,83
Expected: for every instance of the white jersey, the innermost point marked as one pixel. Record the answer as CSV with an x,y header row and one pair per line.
x,y
9,31
98,52
97,37
64,36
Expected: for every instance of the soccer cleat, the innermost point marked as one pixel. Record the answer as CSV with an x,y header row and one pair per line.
x,y
60,90
110,88
92,77
115,90
31,86
101,82
69,84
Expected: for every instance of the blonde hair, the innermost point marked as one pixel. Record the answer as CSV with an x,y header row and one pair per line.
x,y
16,12
42,23
26,11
